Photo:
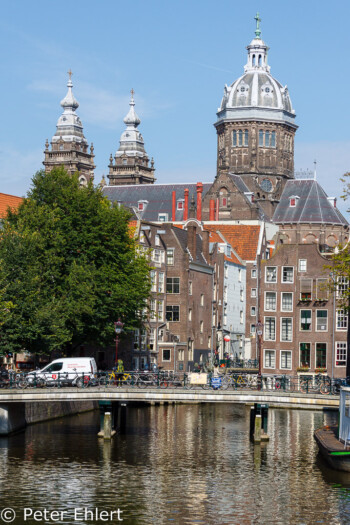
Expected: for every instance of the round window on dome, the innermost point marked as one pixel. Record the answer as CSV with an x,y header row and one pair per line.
x,y
266,185
267,90
242,89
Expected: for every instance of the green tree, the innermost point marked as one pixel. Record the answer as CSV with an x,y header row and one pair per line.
x,y
71,268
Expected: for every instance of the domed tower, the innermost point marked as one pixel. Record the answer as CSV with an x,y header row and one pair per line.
x,y
69,147
255,127
131,162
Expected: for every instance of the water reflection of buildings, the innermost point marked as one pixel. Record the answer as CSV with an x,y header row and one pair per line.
x,y
189,463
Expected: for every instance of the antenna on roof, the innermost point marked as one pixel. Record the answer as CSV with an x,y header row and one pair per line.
x,y
315,163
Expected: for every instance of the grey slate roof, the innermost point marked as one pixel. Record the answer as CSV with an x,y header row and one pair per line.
x,y
243,188
159,197
182,238
312,205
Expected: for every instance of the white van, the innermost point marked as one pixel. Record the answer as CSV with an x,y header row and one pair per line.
x,y
66,368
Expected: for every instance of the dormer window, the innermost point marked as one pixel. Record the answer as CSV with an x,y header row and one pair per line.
x,y
293,201
180,204
125,161
141,205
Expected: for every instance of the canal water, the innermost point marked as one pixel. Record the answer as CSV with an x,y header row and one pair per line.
x,y
180,464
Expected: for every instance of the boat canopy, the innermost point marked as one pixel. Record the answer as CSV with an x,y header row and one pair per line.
x,y
344,413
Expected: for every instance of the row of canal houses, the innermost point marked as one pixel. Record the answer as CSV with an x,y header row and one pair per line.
x,y
220,287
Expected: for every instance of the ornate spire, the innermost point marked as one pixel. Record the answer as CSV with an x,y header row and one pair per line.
x,y
131,118
258,30
69,126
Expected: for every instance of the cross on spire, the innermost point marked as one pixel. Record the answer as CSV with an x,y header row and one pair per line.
x,y
132,92
70,74
258,30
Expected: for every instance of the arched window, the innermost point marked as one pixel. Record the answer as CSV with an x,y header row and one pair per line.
x,y
261,138
259,60
234,138
267,139
223,197
246,138
273,139
240,137
253,60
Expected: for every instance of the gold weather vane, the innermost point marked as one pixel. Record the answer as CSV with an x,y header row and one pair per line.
x,y
70,74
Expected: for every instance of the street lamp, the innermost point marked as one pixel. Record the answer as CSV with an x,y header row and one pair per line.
x,y
118,326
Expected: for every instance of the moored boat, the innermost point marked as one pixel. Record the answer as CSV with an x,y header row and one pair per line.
x,y
334,442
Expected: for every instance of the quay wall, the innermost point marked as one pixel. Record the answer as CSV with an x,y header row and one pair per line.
x,y
36,412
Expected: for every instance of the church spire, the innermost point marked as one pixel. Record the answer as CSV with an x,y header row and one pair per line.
x,y
131,164
69,146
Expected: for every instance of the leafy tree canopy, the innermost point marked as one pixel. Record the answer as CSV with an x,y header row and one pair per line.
x,y
69,266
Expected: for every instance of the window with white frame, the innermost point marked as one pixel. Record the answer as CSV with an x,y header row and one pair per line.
x,y
342,320
160,310
189,287
161,334
287,274
157,255
321,320
270,301
305,355
142,237
342,287
152,338
253,274
180,204
241,316
321,355
302,265
252,329
173,285
286,329
239,275
269,358
321,289
241,295
271,274
340,353
201,326
305,289
136,339
170,256
162,217
253,292
270,329
190,314
305,320
153,316
161,282
157,240
173,313
253,311
287,301
166,354
286,360
153,275
202,299
143,340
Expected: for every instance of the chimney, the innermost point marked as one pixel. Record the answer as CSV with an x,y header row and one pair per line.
x,y
192,240
199,200
205,244
212,210
192,212
173,206
186,192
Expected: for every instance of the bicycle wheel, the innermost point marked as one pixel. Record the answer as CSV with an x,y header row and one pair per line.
x,y
325,388
141,383
304,387
164,383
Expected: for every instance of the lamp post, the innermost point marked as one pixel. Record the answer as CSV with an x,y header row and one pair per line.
x,y
259,331
118,326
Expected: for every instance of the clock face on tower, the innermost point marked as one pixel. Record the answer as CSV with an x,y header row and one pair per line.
x,y
266,185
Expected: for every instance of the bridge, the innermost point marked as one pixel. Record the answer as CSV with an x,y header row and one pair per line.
x,y
12,401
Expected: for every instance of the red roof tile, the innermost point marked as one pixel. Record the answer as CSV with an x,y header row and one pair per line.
x,y
8,201
243,238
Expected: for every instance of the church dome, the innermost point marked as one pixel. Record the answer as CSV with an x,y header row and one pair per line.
x,y
256,95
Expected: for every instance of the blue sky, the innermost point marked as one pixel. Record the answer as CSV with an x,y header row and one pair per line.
x,y
177,56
